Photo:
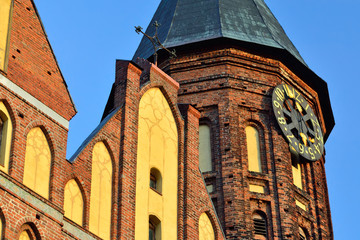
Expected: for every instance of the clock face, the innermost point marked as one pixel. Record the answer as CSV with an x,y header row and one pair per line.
x,y
298,122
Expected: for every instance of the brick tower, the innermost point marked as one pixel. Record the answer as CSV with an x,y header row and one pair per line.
x,y
231,55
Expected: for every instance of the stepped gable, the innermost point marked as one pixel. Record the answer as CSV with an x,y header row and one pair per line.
x,y
32,64
186,21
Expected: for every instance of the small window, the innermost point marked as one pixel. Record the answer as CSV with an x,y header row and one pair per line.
x,y
154,228
253,149
155,180
205,158
152,181
151,231
260,226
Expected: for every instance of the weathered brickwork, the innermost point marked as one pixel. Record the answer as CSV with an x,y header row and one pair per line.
x,y
232,89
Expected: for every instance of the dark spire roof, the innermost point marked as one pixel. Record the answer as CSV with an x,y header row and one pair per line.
x,y
190,21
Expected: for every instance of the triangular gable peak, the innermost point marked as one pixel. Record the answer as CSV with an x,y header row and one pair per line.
x,y
32,64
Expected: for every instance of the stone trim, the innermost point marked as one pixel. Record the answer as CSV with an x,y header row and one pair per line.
x,y
33,101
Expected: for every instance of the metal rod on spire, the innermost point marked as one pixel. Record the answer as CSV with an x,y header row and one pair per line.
x,y
157,45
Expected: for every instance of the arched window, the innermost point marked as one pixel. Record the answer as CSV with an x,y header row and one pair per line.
x,y
37,162
296,170
260,226
28,233
302,234
206,230
73,202
205,158
101,191
253,149
154,228
155,180
5,138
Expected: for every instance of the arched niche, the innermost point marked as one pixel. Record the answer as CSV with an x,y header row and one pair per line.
x,y
37,162
73,202
206,229
101,191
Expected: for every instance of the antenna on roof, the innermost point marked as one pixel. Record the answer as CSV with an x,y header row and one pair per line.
x,y
155,41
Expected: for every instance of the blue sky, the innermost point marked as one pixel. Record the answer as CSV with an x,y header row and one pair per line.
x,y
87,37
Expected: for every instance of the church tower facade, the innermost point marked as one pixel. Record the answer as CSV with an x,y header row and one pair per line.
x,y
261,153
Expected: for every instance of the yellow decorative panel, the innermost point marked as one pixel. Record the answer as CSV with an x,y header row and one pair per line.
x,y
5,141
5,23
24,235
205,148
300,205
101,192
256,188
253,149
296,171
37,162
73,202
157,148
206,230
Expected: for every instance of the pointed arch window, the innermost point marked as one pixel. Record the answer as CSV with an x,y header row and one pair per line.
x,y
205,156
73,202
253,149
28,232
5,138
206,229
37,162
101,191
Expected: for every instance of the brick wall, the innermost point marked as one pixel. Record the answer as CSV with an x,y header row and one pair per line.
x,y
232,89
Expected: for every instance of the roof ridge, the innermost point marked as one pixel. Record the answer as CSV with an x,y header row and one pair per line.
x,y
172,21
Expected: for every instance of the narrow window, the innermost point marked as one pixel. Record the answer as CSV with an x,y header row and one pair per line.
x,y
253,149
260,226
151,231
296,171
154,228
5,138
73,202
101,191
37,162
206,230
155,180
152,181
205,158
